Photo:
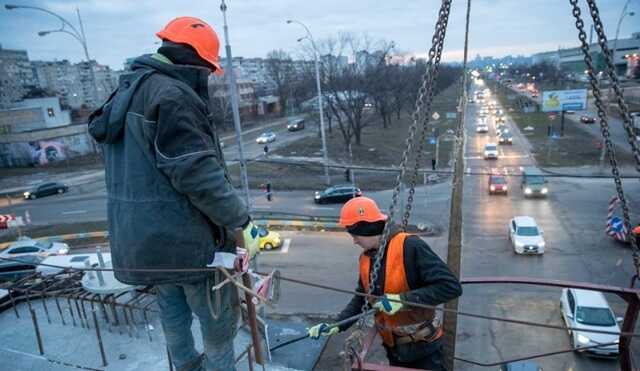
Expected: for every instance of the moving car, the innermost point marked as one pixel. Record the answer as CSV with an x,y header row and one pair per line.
x,y
586,119
268,239
490,151
267,137
526,236
28,246
46,189
533,182
337,194
589,310
497,184
482,128
505,137
295,125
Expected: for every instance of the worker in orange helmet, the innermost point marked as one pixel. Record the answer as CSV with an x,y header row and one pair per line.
x,y
170,203
635,233
410,271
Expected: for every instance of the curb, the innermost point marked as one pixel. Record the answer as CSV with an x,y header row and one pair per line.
x,y
278,225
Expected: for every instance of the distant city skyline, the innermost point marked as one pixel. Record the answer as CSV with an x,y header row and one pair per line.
x,y
117,30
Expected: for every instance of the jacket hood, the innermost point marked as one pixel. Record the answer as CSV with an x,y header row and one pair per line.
x,y
106,124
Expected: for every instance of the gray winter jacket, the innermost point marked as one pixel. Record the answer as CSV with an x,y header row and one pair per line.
x,y
170,202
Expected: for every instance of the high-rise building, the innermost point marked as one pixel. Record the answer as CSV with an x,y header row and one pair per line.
x,y
16,76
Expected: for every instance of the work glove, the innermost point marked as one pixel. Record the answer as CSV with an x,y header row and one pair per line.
x,y
322,329
387,306
251,239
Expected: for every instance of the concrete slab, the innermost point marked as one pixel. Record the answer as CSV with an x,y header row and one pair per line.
x,y
127,348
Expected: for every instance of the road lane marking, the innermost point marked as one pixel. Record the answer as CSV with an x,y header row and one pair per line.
x,y
72,212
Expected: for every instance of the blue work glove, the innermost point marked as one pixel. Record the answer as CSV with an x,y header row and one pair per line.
x,y
387,306
322,329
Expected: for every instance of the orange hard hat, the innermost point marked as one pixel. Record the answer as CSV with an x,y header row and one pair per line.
x,y
360,209
636,230
197,34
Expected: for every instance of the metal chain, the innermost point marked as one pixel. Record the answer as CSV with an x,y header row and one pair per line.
x,y
443,17
422,116
613,77
602,115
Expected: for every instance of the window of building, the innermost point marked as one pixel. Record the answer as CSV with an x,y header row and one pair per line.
x,y
50,112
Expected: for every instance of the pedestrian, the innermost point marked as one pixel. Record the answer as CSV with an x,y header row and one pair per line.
x,y
170,203
266,149
433,164
409,271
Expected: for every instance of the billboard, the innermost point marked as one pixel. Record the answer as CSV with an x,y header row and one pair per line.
x,y
563,100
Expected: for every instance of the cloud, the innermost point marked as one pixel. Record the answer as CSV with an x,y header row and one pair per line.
x,y
119,29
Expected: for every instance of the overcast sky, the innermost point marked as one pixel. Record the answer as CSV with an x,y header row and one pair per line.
x,y
118,29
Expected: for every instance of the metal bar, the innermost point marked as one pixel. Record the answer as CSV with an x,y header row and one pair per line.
x,y
13,303
249,357
169,359
548,283
37,330
251,314
60,310
628,325
71,310
146,324
98,336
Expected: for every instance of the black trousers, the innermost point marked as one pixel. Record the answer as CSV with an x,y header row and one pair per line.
x,y
430,357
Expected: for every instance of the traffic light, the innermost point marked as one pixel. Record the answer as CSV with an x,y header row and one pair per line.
x,y
268,190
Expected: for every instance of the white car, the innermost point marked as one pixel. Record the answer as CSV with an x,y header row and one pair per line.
x,y
267,137
526,236
491,151
26,246
589,310
482,128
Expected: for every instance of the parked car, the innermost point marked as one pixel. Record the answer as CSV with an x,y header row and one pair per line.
x,y
337,194
589,310
28,246
491,151
497,184
295,125
269,240
586,119
267,137
533,182
525,236
46,189
505,137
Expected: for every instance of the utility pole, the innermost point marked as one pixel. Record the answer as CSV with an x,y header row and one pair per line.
x,y
235,108
454,251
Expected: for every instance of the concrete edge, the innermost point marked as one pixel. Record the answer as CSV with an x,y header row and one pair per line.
x,y
278,225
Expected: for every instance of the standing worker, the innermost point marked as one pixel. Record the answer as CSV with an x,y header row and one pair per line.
x,y
170,202
409,271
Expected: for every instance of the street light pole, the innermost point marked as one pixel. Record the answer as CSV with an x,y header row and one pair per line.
x,y
78,35
325,154
235,108
615,41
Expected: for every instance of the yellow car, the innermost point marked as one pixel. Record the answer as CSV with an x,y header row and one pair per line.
x,y
268,239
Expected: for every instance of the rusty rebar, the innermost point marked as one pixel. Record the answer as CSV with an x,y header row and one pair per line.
x,y
34,319
98,336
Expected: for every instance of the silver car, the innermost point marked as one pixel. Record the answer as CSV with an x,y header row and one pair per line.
x,y
267,137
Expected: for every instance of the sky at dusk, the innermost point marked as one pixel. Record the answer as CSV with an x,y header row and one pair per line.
x,y
118,29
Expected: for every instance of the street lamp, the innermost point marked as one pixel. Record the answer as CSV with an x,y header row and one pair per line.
x,y
78,35
325,154
615,42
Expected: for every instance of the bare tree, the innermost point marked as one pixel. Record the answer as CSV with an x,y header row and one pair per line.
x,y
220,102
281,71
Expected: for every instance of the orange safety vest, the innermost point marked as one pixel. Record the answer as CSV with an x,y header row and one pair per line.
x,y
395,282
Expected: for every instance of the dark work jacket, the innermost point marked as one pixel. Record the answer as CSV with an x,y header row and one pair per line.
x,y
429,278
170,203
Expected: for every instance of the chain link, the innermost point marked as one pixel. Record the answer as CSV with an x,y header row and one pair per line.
x,y
602,115
423,114
425,91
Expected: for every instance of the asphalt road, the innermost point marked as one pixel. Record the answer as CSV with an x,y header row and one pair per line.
x,y
572,217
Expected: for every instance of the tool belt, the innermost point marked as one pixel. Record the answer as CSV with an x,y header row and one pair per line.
x,y
427,332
